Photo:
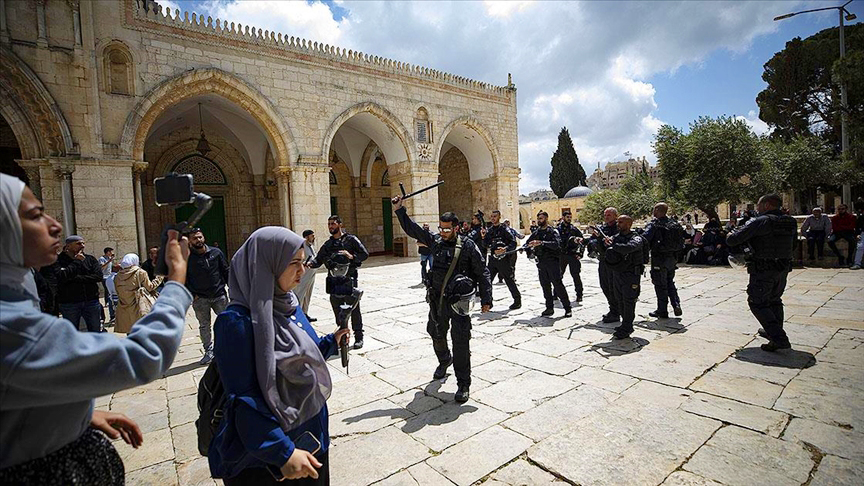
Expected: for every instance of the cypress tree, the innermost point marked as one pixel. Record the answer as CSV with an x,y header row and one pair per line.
x,y
566,172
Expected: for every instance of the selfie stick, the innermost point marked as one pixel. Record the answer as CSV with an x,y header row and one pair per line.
x,y
203,202
406,196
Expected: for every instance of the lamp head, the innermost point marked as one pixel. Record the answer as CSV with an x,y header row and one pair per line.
x,y
786,16
850,17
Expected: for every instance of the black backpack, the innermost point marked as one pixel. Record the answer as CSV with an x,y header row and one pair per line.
x,y
670,237
211,403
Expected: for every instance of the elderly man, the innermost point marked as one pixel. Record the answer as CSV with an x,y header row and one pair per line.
x,y
816,228
78,279
307,281
610,229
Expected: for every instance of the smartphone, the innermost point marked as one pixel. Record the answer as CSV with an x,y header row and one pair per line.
x,y
306,442
174,189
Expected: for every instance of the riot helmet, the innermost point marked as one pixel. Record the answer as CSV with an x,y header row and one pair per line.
x,y
460,294
339,265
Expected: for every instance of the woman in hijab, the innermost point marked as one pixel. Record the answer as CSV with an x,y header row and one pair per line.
x,y
50,373
133,284
273,369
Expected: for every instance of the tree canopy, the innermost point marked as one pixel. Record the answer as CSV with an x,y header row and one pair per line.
x,y
566,172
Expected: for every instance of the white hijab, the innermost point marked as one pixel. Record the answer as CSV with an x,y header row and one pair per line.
x,y
129,260
13,273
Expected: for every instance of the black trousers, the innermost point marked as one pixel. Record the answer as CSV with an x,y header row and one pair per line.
x,y
356,317
550,277
575,268
815,241
255,476
460,333
626,289
608,287
851,244
512,259
663,277
764,294
502,267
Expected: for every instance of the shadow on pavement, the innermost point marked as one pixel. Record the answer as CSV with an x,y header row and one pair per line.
x,y
670,325
183,369
444,414
786,358
620,347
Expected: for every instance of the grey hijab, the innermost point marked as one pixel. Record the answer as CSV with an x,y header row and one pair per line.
x,y
13,273
291,371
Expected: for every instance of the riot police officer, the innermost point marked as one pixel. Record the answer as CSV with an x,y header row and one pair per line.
x,y
771,236
499,240
477,233
665,237
610,228
457,268
571,246
625,258
339,250
546,244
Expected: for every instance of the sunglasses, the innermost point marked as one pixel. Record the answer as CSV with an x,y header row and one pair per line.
x,y
445,230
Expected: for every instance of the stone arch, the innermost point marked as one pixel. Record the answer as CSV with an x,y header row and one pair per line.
x,y
222,157
482,165
524,222
386,117
35,118
200,82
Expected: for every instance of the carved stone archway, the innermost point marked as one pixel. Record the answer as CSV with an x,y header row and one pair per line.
x,y
385,116
200,82
474,125
35,118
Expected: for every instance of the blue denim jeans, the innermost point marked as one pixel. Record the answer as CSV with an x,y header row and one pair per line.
x,y
89,310
109,301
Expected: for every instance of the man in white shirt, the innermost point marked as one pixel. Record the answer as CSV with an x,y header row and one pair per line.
x,y
816,228
307,281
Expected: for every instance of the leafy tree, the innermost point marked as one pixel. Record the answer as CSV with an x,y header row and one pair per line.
x,y
710,164
803,93
636,197
567,172
597,202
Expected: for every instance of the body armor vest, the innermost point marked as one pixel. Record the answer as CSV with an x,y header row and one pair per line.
x,y
779,242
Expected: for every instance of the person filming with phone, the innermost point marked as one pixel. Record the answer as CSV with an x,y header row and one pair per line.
x,y
273,370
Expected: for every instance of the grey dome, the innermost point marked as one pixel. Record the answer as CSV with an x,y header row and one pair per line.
x,y
579,191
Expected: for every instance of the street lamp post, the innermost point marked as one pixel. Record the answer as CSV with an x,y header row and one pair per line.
x,y
844,134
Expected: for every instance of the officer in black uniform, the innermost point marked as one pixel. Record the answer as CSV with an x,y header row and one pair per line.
x,y
546,244
665,238
343,248
571,245
625,258
610,228
499,240
441,295
772,236
477,233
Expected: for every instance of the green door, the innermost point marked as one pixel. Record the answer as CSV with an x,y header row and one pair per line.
x,y
387,208
334,206
212,224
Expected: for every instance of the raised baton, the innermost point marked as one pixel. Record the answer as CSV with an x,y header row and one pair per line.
x,y
406,196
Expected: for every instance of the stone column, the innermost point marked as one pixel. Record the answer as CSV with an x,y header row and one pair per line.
x,y
310,194
283,179
41,24
138,171
76,20
64,173
4,30
31,167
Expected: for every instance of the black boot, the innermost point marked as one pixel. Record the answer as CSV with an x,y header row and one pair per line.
x,y
659,315
621,333
772,346
761,332
516,305
568,312
548,312
677,310
462,394
609,318
579,298
441,370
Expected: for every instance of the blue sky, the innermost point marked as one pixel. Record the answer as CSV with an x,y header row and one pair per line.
x,y
612,72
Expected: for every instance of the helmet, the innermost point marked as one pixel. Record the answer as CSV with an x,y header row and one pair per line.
x,y
460,293
738,261
339,265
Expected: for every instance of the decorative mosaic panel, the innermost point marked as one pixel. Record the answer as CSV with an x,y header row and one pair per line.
x,y
385,178
203,170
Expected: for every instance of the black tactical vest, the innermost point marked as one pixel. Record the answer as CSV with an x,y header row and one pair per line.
x,y
779,243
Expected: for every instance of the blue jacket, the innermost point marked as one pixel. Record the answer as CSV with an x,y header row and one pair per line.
x,y
50,373
250,435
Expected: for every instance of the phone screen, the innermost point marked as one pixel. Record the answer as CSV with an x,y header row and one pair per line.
x,y
174,189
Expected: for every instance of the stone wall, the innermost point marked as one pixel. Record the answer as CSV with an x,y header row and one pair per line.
x,y
104,209
554,207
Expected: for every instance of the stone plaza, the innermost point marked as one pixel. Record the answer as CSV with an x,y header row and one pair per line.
x,y
686,401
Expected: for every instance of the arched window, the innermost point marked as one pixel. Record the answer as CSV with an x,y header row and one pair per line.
x,y
118,70
423,130
333,180
204,171
385,178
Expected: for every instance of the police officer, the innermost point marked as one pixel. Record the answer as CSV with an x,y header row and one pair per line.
x,y
342,249
499,240
446,302
625,259
477,233
546,244
665,238
771,236
571,243
610,228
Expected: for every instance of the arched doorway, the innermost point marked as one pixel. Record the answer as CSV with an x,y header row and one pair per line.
x,y
234,171
10,151
363,144
467,163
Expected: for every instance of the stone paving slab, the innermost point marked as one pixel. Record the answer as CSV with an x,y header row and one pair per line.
x,y
593,406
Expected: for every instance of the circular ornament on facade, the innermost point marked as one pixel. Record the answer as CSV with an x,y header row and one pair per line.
x,y
425,151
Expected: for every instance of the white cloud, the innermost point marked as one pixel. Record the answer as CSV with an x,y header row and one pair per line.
x,y
584,65
758,126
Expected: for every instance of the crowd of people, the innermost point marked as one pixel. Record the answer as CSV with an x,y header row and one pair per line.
x,y
271,363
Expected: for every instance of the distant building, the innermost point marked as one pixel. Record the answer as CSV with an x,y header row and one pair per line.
x,y
616,172
546,200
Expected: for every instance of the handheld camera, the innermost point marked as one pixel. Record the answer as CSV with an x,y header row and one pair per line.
x,y
177,190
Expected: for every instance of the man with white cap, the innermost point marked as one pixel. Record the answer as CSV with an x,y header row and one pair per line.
x,y
78,279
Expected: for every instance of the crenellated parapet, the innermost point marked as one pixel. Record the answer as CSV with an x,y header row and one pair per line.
x,y
152,11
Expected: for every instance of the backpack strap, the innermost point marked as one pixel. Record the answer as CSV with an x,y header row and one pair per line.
x,y
453,264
